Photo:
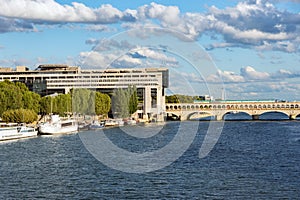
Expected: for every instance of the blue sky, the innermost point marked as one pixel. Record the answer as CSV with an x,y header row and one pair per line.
x,y
253,45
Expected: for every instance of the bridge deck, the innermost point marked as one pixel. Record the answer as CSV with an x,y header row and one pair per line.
x,y
186,110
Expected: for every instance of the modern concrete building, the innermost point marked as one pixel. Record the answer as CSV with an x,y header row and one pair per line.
x,y
53,78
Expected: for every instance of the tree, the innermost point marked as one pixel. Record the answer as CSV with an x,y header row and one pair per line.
x,y
124,102
120,103
172,99
102,103
133,99
81,98
11,96
45,105
31,101
91,103
60,104
179,98
15,95
19,116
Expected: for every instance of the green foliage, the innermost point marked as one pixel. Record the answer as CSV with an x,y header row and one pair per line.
x,y
31,101
179,98
60,104
133,99
45,105
102,103
89,102
11,96
119,104
172,99
19,116
15,95
83,101
124,102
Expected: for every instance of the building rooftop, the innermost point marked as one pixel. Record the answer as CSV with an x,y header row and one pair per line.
x,y
55,67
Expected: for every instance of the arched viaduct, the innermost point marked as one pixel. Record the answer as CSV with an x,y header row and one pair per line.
x,y
184,111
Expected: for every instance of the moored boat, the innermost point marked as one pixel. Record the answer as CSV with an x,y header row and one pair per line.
x,y
111,122
130,122
58,126
96,125
14,131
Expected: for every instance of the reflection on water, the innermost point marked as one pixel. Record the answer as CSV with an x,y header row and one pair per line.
x,y
241,116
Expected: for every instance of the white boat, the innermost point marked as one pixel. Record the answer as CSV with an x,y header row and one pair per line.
x,y
14,131
96,125
58,126
130,122
111,122
120,122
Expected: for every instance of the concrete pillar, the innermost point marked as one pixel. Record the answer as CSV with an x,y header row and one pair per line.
x,y
147,102
218,117
67,90
255,117
160,105
293,117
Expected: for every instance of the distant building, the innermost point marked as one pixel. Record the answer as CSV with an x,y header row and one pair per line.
x,y
55,78
206,98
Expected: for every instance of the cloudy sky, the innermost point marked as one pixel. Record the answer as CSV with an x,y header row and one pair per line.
x,y
249,47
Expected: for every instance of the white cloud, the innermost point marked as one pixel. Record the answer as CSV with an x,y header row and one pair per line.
x,y
286,46
127,61
246,74
98,28
249,24
122,54
51,11
169,15
263,90
95,60
225,76
15,25
257,24
250,73
156,55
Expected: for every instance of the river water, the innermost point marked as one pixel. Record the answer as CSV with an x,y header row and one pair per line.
x,y
251,160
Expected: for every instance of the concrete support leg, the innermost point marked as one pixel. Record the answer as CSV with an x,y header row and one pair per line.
x,y
255,117
218,117
67,90
293,117
147,103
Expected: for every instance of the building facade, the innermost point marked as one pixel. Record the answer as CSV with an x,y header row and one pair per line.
x,y
49,79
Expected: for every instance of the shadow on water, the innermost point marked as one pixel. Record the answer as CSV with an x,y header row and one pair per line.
x,y
270,116
237,117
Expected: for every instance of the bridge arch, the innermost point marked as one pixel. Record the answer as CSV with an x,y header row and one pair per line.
x,y
173,116
203,114
228,113
287,114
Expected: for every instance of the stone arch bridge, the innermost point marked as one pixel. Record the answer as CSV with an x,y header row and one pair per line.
x,y
185,111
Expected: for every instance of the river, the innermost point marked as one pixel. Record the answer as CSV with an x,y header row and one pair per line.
x,y
251,160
